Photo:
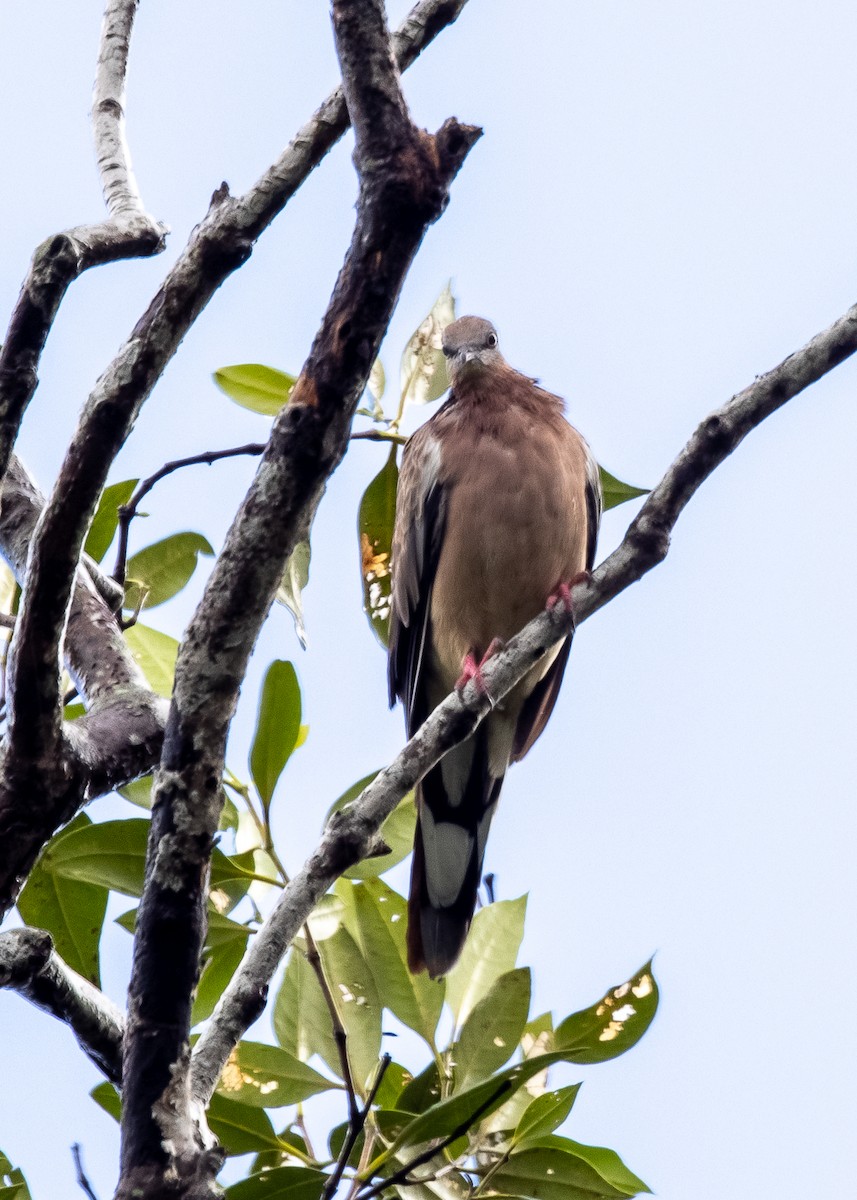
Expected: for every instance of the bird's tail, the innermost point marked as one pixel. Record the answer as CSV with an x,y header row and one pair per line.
x,y
455,802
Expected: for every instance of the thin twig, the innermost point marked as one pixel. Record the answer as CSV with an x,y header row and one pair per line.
x,y
355,1128
81,1174
401,1176
127,512
339,1034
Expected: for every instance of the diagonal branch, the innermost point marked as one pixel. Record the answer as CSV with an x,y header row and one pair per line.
x,y
29,965
33,762
351,834
59,260
405,175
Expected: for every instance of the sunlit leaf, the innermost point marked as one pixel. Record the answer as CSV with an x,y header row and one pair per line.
x,y
546,1113
278,727
490,1035
280,1183
158,572
71,911
13,1185
301,1018
377,917
252,385
268,1077
491,949
560,1169
139,792
377,381
423,372
375,522
614,1024
616,492
397,831
107,1098
155,654
294,580
106,520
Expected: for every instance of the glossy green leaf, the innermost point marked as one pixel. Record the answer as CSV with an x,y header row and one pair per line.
x,y
278,727
423,375
490,1035
396,1077
241,1128
158,572
490,951
155,654
281,1183
252,385
13,1185
352,987
294,580
375,521
614,1024
377,917
616,492
72,912
560,1169
301,1018
268,1077
545,1114
106,520
397,831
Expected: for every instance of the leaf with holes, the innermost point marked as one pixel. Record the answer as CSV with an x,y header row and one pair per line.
x,y
613,1025
423,374
375,522
268,1077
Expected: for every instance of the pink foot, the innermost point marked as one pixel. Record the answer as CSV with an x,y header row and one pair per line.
x,y
561,595
472,670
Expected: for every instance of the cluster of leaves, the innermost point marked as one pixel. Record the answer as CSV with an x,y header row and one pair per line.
x,y
473,1112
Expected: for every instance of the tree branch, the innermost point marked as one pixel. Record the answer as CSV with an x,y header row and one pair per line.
x,y
356,1125
29,965
351,834
60,259
405,175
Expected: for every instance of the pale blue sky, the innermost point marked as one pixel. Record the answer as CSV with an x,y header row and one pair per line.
x,y
662,207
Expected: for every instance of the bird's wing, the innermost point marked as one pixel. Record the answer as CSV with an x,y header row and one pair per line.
x,y
538,706
417,537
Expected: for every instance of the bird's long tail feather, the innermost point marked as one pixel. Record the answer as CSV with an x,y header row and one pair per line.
x,y
456,802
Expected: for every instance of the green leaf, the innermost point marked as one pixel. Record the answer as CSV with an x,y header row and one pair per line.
x,y
72,912
269,1077
561,1169
615,492
281,1183
491,1033
462,1109
395,1078
377,917
375,522
278,727
13,1185
397,831
614,1024
155,654
107,1097
138,792
352,987
160,571
421,1092
241,1128
301,1018
294,580
545,1114
490,951
220,958
261,389
424,376
106,519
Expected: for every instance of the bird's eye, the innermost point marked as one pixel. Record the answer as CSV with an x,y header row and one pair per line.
x,y
491,340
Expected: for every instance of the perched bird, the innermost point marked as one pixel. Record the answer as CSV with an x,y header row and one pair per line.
x,y
497,512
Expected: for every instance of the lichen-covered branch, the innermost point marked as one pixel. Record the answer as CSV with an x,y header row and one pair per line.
x,y
29,965
352,834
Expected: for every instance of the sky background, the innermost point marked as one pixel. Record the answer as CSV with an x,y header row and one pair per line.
x,y
662,208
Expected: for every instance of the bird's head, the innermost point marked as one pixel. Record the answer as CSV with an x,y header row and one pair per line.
x,y
470,345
